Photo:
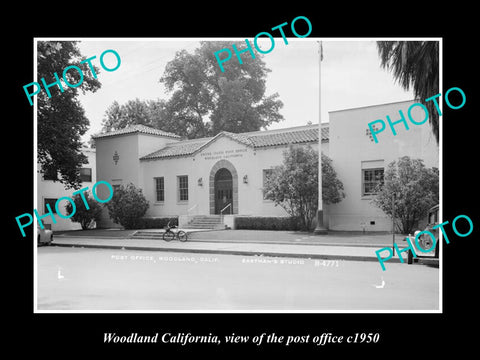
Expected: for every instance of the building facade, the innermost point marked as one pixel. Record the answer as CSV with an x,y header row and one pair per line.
x,y
225,174
49,190
360,162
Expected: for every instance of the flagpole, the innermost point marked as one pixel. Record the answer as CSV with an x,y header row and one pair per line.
x,y
320,229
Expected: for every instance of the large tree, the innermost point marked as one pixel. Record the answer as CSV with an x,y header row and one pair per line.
x,y
153,113
294,184
414,64
206,100
121,116
145,112
411,188
61,118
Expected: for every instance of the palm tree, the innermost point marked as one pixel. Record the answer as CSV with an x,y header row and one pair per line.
x,y
414,63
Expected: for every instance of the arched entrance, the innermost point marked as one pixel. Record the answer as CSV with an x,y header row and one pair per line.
x,y
223,191
223,187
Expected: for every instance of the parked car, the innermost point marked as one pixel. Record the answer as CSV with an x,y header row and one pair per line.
x,y
44,237
432,221
425,240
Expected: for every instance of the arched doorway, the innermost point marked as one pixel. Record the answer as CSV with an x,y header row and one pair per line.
x,y
223,191
223,177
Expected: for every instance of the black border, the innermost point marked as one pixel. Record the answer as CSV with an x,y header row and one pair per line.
x,y
403,334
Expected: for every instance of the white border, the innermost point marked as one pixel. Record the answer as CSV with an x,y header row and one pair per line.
x,y
265,311
35,184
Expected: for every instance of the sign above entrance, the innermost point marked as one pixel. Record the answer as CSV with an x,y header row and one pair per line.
x,y
223,154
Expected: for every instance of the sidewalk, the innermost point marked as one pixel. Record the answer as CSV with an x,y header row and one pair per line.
x,y
334,246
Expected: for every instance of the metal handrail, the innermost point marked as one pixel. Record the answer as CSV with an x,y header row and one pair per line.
x,y
221,211
193,207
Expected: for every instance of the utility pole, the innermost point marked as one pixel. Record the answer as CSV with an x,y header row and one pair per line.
x,y
393,223
320,229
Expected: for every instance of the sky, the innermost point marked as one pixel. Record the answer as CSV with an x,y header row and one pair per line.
x,y
351,75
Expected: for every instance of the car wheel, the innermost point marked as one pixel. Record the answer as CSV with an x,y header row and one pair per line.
x,y
38,240
426,243
51,240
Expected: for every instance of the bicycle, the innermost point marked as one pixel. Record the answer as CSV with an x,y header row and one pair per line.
x,y
169,235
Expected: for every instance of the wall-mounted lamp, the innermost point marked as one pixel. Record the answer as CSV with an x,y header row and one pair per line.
x,y
245,179
200,182
116,157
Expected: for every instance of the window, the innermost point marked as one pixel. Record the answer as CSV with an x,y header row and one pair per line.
x,y
266,176
433,216
116,188
371,178
86,174
50,202
182,182
159,189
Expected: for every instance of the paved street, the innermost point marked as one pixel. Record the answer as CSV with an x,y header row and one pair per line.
x,y
111,279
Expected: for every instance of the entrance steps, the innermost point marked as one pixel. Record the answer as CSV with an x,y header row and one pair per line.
x,y
199,222
205,222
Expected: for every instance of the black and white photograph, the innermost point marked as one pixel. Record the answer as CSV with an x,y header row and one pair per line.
x,y
209,175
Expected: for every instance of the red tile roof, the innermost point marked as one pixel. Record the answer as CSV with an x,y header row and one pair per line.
x,y
256,139
137,129
180,148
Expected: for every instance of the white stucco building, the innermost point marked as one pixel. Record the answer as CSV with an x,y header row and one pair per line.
x,y
49,191
358,160
189,178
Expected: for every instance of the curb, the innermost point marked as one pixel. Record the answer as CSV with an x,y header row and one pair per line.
x,y
130,237
230,252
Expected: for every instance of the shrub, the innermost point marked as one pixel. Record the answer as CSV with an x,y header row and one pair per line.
x,y
82,215
267,223
294,184
414,188
127,206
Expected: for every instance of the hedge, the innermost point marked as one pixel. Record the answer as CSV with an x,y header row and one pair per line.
x,y
267,223
157,223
